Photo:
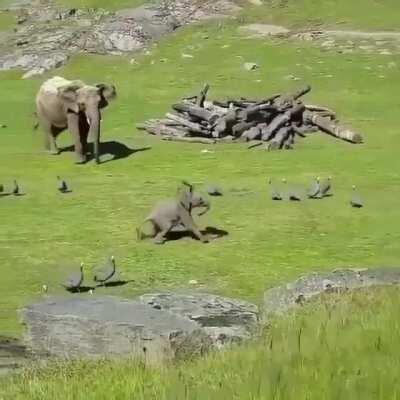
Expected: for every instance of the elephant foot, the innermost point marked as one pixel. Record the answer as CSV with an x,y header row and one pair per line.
x,y
80,160
159,241
54,152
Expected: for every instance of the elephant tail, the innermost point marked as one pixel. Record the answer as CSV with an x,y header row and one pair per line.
x,y
36,125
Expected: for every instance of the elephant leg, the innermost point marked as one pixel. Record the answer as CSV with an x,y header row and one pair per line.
x,y
73,126
50,132
160,237
83,132
189,224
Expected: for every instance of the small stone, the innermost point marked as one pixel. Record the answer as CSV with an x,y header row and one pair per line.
x,y
185,55
132,61
328,43
249,66
193,282
225,46
33,72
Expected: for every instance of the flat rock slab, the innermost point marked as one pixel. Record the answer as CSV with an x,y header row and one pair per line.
x,y
224,320
262,30
109,327
281,299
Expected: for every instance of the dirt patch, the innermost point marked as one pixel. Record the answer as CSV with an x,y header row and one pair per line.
x,y
341,41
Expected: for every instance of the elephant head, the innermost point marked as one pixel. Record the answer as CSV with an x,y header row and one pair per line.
x,y
190,199
87,100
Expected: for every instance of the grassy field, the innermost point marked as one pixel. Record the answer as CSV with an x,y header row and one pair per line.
x,y
268,243
343,348
106,4
361,14
45,234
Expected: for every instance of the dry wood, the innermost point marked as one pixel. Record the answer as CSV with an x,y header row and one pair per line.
x,y
276,119
194,127
189,139
202,96
326,125
281,136
195,111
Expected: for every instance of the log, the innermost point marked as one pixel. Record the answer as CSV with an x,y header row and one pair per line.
x,y
286,101
194,127
278,122
240,127
252,134
202,96
331,127
255,112
189,139
196,111
225,124
289,142
163,130
255,143
303,129
281,136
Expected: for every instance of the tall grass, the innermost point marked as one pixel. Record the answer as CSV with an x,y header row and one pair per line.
x,y
337,348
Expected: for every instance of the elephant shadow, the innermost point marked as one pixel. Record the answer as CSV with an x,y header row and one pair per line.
x,y
210,231
117,150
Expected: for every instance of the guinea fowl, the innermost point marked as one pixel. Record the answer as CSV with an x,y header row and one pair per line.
x,y
105,273
355,199
315,190
74,281
16,190
291,195
62,186
213,190
326,187
275,195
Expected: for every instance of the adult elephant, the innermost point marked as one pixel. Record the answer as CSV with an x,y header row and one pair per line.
x,y
62,104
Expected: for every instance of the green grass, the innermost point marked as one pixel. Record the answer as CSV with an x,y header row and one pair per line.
x,y
7,20
45,233
362,14
106,4
339,348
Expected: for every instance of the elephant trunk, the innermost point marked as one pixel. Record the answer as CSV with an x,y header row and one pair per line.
x,y
94,118
206,208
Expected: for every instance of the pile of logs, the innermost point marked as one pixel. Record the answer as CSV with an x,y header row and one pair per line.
x,y
275,121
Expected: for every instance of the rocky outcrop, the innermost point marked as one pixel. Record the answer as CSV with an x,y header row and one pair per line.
x,y
156,328
47,35
281,299
224,320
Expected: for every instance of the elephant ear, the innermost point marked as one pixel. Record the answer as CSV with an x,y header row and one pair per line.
x,y
107,91
186,196
69,95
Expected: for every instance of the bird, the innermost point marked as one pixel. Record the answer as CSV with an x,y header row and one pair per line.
x,y
106,272
16,190
291,195
74,281
62,185
315,190
213,190
275,195
326,187
355,199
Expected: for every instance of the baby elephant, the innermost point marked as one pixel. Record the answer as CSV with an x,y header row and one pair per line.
x,y
169,214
